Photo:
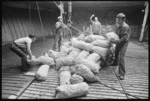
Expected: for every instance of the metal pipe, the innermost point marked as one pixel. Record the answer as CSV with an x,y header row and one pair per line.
x,y
144,20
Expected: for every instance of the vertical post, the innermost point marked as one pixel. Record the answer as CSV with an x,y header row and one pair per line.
x,y
144,20
69,9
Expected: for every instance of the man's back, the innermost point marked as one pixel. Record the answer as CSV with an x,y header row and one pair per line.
x,y
96,27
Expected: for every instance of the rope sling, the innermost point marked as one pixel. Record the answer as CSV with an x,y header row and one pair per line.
x,y
41,26
31,24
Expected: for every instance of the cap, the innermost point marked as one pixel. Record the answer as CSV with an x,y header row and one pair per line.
x,y
60,17
120,15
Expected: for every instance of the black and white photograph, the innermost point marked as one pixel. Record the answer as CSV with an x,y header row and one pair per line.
x,y
75,49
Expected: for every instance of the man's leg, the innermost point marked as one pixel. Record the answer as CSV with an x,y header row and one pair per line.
x,y
60,42
55,46
21,54
121,60
115,63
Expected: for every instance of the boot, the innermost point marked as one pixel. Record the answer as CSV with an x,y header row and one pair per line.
x,y
24,64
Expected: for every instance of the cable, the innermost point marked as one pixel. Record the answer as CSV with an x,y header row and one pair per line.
x,y
30,22
40,19
76,29
120,83
41,23
116,89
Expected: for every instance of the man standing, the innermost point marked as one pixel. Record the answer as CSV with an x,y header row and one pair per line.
x,y
122,29
96,25
58,37
22,47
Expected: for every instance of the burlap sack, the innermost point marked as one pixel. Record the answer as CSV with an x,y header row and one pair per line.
x,y
101,51
73,90
64,77
112,36
94,57
33,61
85,72
72,69
81,44
81,37
66,61
74,52
99,64
65,48
45,60
91,65
69,60
56,55
92,38
64,68
102,43
83,55
76,79
42,72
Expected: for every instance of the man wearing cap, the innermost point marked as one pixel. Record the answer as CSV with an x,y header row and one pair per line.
x,y
96,25
122,29
58,37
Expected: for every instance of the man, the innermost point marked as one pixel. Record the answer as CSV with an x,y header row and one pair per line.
x,y
122,29
96,25
22,47
58,37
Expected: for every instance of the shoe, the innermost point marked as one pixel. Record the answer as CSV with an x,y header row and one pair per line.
x,y
121,77
114,64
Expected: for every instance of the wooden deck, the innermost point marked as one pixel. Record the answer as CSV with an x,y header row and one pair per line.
x,y
135,84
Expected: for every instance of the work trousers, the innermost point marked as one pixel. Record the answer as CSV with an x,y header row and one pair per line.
x,y
21,52
119,57
58,38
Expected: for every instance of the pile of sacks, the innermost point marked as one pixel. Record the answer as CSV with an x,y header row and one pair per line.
x,y
78,62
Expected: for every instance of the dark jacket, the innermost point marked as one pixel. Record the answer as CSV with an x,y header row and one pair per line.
x,y
124,34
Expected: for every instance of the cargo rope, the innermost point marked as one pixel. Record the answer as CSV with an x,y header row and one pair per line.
x,y
41,23
120,83
30,22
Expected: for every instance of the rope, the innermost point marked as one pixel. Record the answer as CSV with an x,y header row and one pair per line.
x,y
120,83
40,20
30,17
41,24
31,23
77,29
117,90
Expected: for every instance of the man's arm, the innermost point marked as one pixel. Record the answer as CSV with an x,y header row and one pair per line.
x,y
29,50
92,17
100,29
125,35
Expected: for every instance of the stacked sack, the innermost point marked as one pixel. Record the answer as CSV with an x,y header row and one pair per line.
x,y
44,61
81,62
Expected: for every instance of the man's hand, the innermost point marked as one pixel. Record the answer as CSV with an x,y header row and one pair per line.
x,y
30,57
93,15
114,41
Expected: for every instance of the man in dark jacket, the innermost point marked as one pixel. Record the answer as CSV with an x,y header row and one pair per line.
x,y
122,29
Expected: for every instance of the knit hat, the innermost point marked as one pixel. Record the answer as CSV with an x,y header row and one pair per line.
x,y
120,15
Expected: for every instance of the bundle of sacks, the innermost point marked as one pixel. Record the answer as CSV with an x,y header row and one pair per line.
x,y
79,61
44,62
